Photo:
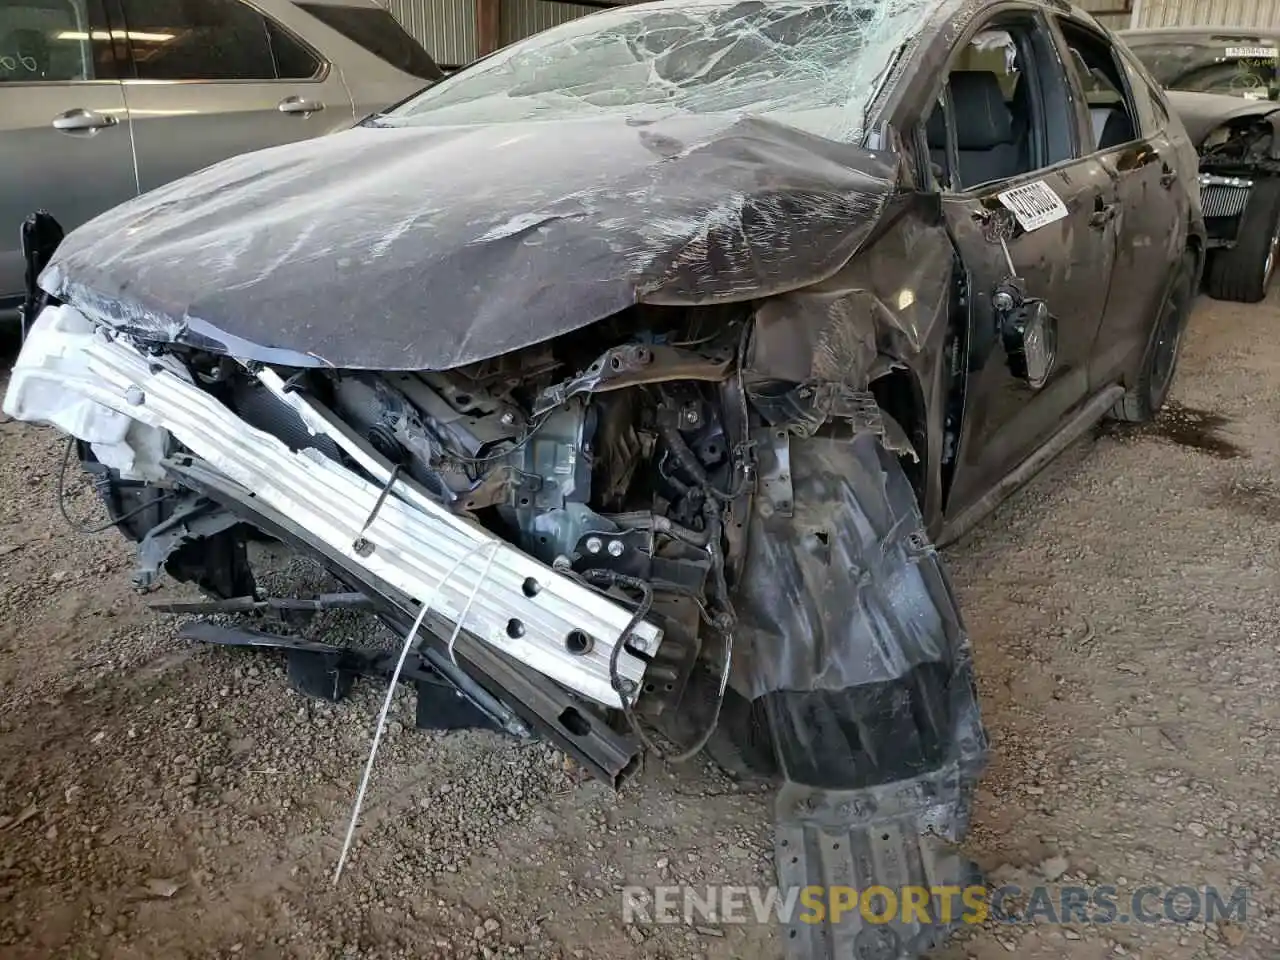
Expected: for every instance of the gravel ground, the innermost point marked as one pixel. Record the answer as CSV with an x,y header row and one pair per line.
x,y
159,800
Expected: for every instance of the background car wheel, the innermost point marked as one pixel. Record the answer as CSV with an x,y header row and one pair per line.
x,y
1244,272
1160,361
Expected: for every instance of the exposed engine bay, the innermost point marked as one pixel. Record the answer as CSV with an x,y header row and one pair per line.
x,y
616,466
583,506
1247,141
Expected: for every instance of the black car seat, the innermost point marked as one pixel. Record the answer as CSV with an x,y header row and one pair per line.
x,y
985,133
1116,130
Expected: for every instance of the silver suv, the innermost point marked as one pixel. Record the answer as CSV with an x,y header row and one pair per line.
x,y
103,99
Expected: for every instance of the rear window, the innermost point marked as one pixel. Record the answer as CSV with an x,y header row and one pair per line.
x,y
378,32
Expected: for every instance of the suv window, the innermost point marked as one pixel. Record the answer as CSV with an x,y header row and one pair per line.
x,y
211,40
379,33
1111,117
47,41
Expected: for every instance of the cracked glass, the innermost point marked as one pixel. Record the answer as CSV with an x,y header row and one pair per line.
x,y
814,65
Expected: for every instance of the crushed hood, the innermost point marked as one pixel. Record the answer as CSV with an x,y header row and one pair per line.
x,y
1202,113
430,247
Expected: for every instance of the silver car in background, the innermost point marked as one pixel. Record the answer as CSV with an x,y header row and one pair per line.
x,y
103,99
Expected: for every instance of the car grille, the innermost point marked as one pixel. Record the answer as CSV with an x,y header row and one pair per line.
x,y
1224,200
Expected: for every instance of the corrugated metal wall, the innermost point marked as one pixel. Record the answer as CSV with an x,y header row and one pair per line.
x,y
1110,13
1118,15
523,18
447,28
1218,13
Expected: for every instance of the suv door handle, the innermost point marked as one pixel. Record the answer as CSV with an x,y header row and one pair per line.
x,y
82,119
299,105
1103,213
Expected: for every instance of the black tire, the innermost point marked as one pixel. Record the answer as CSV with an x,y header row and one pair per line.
x,y
1244,272
1160,359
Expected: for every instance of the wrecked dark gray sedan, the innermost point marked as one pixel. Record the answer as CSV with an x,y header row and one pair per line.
x,y
634,375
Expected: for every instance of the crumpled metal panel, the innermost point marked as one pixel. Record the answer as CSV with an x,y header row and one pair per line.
x,y
528,196
852,653
850,842
414,544
889,302
430,248
1203,113
850,646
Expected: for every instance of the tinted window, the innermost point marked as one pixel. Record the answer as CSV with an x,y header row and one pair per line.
x,y
52,40
1151,111
1009,106
1112,120
210,40
378,32
293,60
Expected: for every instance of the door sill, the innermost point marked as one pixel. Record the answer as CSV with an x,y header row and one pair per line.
x,y
1075,427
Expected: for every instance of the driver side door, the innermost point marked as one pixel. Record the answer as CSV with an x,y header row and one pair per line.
x,y
1020,201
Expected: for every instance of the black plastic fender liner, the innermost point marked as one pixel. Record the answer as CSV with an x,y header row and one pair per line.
x,y
857,674
851,647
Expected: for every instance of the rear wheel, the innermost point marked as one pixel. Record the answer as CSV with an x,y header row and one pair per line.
x,y
1244,272
1160,361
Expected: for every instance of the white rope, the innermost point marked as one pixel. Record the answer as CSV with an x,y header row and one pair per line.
x,y
484,574
395,680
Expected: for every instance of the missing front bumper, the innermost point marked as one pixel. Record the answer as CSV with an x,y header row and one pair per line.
x,y
107,393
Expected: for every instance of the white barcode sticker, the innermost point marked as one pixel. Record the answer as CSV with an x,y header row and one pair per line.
x,y
1034,204
1262,53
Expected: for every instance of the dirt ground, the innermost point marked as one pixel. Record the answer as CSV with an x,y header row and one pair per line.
x,y
164,801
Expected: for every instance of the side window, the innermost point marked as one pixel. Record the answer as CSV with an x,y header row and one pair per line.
x,y
1111,116
211,40
294,61
1152,115
1004,110
50,41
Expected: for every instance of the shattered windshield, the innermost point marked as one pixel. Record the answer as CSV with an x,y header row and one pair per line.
x,y
815,64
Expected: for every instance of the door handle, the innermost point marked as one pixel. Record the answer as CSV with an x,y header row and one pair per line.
x,y
81,119
1169,177
1103,213
299,105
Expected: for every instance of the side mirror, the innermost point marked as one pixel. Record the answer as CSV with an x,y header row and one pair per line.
x,y
1030,335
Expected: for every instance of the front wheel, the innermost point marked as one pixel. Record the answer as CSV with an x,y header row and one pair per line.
x,y
1160,361
1244,272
